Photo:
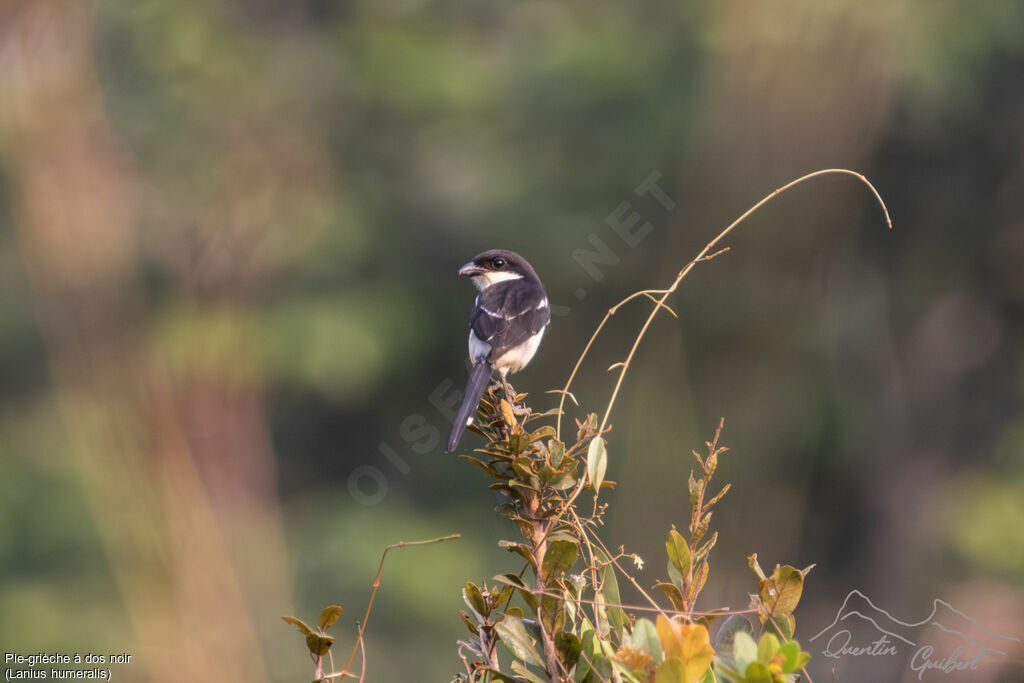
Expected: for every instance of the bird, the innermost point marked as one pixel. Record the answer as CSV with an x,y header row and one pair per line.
x,y
506,325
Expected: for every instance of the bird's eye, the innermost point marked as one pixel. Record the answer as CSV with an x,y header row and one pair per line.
x,y
498,263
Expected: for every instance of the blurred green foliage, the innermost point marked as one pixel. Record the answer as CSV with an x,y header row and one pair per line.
x,y
306,177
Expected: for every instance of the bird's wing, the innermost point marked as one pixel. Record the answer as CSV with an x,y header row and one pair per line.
x,y
508,313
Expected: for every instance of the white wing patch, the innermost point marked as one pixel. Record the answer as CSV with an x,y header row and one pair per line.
x,y
478,349
502,316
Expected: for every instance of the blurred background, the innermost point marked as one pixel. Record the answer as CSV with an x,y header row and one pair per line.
x,y
231,325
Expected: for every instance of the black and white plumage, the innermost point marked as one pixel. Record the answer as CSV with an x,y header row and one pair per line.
x,y
505,327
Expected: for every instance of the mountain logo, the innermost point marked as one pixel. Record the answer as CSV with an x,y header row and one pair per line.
x,y
945,641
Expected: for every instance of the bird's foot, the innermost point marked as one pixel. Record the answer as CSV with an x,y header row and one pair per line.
x,y
521,410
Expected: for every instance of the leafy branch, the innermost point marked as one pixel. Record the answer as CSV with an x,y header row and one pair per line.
x,y
561,617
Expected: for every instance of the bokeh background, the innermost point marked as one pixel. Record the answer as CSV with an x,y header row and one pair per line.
x,y
230,319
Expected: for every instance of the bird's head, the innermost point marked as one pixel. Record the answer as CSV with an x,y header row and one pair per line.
x,y
497,265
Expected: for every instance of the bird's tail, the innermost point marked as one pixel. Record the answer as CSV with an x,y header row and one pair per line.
x,y
478,380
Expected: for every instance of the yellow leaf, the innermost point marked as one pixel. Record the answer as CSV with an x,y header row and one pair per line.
x,y
633,659
670,643
697,650
690,643
507,414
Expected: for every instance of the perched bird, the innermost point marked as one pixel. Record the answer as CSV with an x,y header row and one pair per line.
x,y
505,327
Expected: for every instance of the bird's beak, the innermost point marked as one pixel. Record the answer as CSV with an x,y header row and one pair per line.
x,y
470,269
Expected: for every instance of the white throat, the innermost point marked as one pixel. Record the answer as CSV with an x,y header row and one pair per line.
x,y
485,280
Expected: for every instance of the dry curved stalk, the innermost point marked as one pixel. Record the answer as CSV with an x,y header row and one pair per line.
x,y
361,627
665,293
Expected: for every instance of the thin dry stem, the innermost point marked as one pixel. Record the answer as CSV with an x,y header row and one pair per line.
x,y
592,669
626,574
361,628
591,564
362,657
665,293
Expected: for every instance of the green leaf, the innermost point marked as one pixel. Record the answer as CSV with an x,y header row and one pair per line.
x,y
473,628
597,462
569,647
672,670
497,676
524,590
711,462
524,467
785,623
545,432
791,653
482,465
557,451
511,580
702,551
767,648
318,644
600,668
582,672
673,574
500,597
678,552
526,673
298,623
726,636
553,412
645,637
699,578
758,673
474,598
521,549
518,442
695,487
551,613
514,636
559,557
781,592
564,480
718,496
610,592
531,482
744,650
708,677
673,593
329,616
701,528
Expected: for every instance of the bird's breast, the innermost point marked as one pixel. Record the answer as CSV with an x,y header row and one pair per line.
x,y
516,358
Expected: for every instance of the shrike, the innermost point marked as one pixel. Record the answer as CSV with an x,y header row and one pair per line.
x,y
505,328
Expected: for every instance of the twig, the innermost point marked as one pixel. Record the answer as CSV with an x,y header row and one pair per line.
x,y
592,669
592,565
362,658
625,573
778,630
361,628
